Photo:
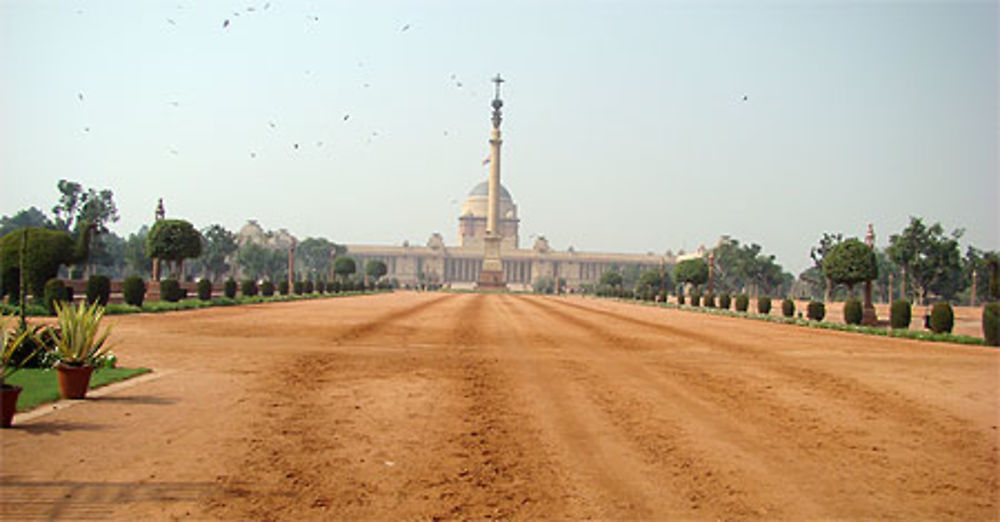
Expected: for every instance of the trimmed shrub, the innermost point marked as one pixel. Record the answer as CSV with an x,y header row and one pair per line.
x,y
308,287
725,301
709,301
134,290
267,289
816,311
205,290
298,287
248,288
695,299
852,311
170,290
900,314
320,287
764,305
742,303
229,288
680,299
55,290
283,287
991,323
788,308
98,290
942,318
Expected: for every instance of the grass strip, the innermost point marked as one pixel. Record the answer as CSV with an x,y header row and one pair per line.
x,y
41,385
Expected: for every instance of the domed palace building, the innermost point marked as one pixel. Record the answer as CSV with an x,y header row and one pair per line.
x,y
459,266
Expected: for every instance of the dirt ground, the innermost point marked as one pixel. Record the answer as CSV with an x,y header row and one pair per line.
x,y
428,405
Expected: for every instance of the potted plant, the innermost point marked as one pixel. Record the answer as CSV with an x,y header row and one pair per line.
x,y
78,345
12,340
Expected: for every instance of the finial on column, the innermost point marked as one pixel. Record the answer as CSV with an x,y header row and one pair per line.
x,y
497,102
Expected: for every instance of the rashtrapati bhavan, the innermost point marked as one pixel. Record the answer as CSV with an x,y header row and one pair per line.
x,y
490,217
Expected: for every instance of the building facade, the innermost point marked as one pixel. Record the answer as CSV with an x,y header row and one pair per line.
x,y
459,266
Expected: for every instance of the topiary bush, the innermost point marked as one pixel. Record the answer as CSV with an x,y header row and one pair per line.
x,y
991,323
709,301
170,290
308,287
55,290
788,308
852,311
764,305
816,311
283,287
205,290
695,299
725,301
320,287
680,299
248,288
900,314
98,290
267,289
742,303
133,290
229,288
298,287
942,318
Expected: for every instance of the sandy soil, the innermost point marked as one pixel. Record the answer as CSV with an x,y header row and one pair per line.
x,y
421,406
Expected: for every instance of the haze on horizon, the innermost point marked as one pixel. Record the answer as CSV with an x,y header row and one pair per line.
x,y
625,124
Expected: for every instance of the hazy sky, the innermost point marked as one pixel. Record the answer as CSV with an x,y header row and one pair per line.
x,y
625,126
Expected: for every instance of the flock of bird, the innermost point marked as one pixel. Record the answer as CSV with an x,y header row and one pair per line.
x,y
227,23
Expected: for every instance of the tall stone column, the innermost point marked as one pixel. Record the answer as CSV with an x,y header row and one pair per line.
x,y
491,276
869,317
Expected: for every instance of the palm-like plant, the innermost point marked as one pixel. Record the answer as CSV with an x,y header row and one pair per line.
x,y
12,339
77,338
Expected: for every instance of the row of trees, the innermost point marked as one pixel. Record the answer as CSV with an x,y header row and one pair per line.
x,y
922,262
213,253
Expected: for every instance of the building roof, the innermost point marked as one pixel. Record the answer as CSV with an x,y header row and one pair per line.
x,y
483,189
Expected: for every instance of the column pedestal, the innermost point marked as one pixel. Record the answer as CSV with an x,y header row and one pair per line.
x,y
491,276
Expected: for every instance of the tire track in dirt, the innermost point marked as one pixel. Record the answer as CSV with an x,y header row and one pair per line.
x,y
282,469
922,446
608,476
680,433
500,473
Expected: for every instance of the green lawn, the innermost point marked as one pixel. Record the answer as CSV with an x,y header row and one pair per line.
x,y
41,386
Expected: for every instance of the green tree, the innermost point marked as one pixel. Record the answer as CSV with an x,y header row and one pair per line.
x,y
691,271
46,251
818,253
107,253
849,263
173,240
375,268
30,217
653,281
77,208
929,260
218,244
612,278
344,267
136,260
315,255
257,262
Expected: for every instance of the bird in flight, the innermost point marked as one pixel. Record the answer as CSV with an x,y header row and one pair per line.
x,y
225,24
405,28
745,97
346,116
79,95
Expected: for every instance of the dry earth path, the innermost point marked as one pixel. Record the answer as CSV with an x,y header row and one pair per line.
x,y
455,406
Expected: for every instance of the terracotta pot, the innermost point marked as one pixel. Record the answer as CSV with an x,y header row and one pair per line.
x,y
8,404
73,381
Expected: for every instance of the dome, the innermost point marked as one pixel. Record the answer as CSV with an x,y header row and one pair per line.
x,y
483,189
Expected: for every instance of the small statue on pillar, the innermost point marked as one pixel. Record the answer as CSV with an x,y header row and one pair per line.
x,y
158,215
869,317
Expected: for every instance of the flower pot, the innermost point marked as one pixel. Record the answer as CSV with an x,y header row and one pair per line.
x,y
73,381
8,404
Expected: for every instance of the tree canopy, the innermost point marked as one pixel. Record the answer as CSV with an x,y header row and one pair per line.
x,y
173,240
375,268
29,217
611,278
218,244
849,263
691,271
344,267
929,259
314,254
